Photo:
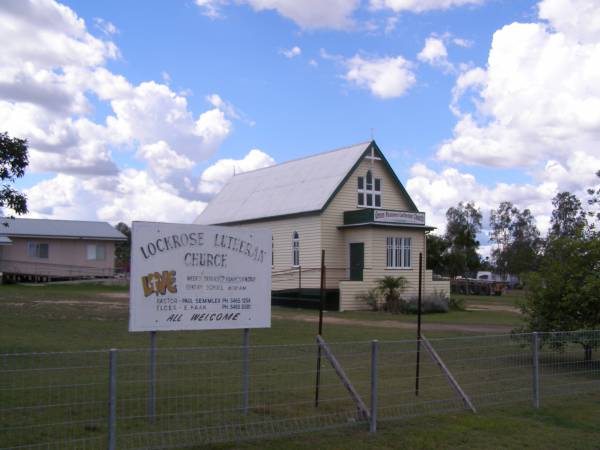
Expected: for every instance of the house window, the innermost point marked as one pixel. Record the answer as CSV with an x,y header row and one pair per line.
x,y
369,191
296,249
95,252
37,250
398,253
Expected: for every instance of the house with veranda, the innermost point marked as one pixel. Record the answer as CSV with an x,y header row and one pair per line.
x,y
346,202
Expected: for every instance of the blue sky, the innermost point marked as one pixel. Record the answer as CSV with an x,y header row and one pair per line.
x,y
469,99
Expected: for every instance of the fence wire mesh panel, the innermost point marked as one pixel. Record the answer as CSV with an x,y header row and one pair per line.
x,y
569,363
200,396
176,398
53,400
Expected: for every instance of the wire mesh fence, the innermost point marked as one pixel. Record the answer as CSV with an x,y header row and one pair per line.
x,y
173,398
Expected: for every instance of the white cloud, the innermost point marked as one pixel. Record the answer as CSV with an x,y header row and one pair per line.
x,y
211,8
537,103
50,68
229,109
131,195
420,6
435,192
307,14
461,42
292,52
105,26
577,19
163,160
434,53
387,77
215,176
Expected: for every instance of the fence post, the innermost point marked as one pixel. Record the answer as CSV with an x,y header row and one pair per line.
x,y
152,390
112,399
246,371
374,355
536,369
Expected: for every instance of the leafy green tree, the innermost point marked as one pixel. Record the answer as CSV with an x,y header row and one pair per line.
x,y
13,161
594,200
568,217
123,248
518,242
391,289
437,257
564,295
463,224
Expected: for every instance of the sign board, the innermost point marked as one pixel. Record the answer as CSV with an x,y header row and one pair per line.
x,y
413,218
196,277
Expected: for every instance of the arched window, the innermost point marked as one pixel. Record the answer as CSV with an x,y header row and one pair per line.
x,y
295,249
369,191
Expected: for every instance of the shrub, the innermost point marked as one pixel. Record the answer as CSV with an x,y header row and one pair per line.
x,y
372,298
436,302
391,288
456,303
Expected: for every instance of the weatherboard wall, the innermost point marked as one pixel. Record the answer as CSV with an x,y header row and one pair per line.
x,y
285,275
66,258
346,199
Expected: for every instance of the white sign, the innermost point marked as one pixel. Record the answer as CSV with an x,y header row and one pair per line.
x,y
413,218
195,277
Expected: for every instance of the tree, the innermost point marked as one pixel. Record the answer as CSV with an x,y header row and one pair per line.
x,y
518,242
565,293
123,248
13,161
437,258
464,222
594,200
568,217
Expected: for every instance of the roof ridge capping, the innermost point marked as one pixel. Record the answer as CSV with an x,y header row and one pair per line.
x,y
365,143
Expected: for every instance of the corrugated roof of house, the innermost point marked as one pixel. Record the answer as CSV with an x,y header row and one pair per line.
x,y
71,229
5,240
297,186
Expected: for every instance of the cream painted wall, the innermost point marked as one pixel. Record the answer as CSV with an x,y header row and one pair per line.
x,y
285,276
334,241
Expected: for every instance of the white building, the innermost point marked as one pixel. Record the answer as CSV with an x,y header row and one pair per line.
x,y
347,202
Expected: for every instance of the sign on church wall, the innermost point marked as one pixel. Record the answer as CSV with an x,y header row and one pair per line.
x,y
413,218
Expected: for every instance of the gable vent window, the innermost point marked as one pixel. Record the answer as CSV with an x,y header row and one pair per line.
x,y
369,191
296,249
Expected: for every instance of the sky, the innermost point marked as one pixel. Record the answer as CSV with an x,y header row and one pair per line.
x,y
143,110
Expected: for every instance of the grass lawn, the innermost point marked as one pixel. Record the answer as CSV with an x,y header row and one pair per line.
x,y
73,317
66,317
571,424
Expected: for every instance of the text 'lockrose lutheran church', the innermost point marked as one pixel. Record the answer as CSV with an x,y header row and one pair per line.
x,y
347,202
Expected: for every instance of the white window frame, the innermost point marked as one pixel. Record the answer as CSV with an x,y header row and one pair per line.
x,y
368,189
34,250
398,252
295,249
97,256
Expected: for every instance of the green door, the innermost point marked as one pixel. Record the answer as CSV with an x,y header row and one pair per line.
x,y
357,261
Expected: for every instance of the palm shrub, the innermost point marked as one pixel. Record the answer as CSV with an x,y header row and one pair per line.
x,y
391,289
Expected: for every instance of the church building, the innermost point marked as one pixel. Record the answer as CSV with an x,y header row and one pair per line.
x,y
347,202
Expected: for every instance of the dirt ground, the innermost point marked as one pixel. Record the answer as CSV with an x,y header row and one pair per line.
x,y
400,325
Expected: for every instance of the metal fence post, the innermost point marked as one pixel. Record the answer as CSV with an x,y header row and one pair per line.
x,y
152,374
112,399
246,371
374,355
536,369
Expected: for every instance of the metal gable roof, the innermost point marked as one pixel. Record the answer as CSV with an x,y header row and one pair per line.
x,y
65,229
293,187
